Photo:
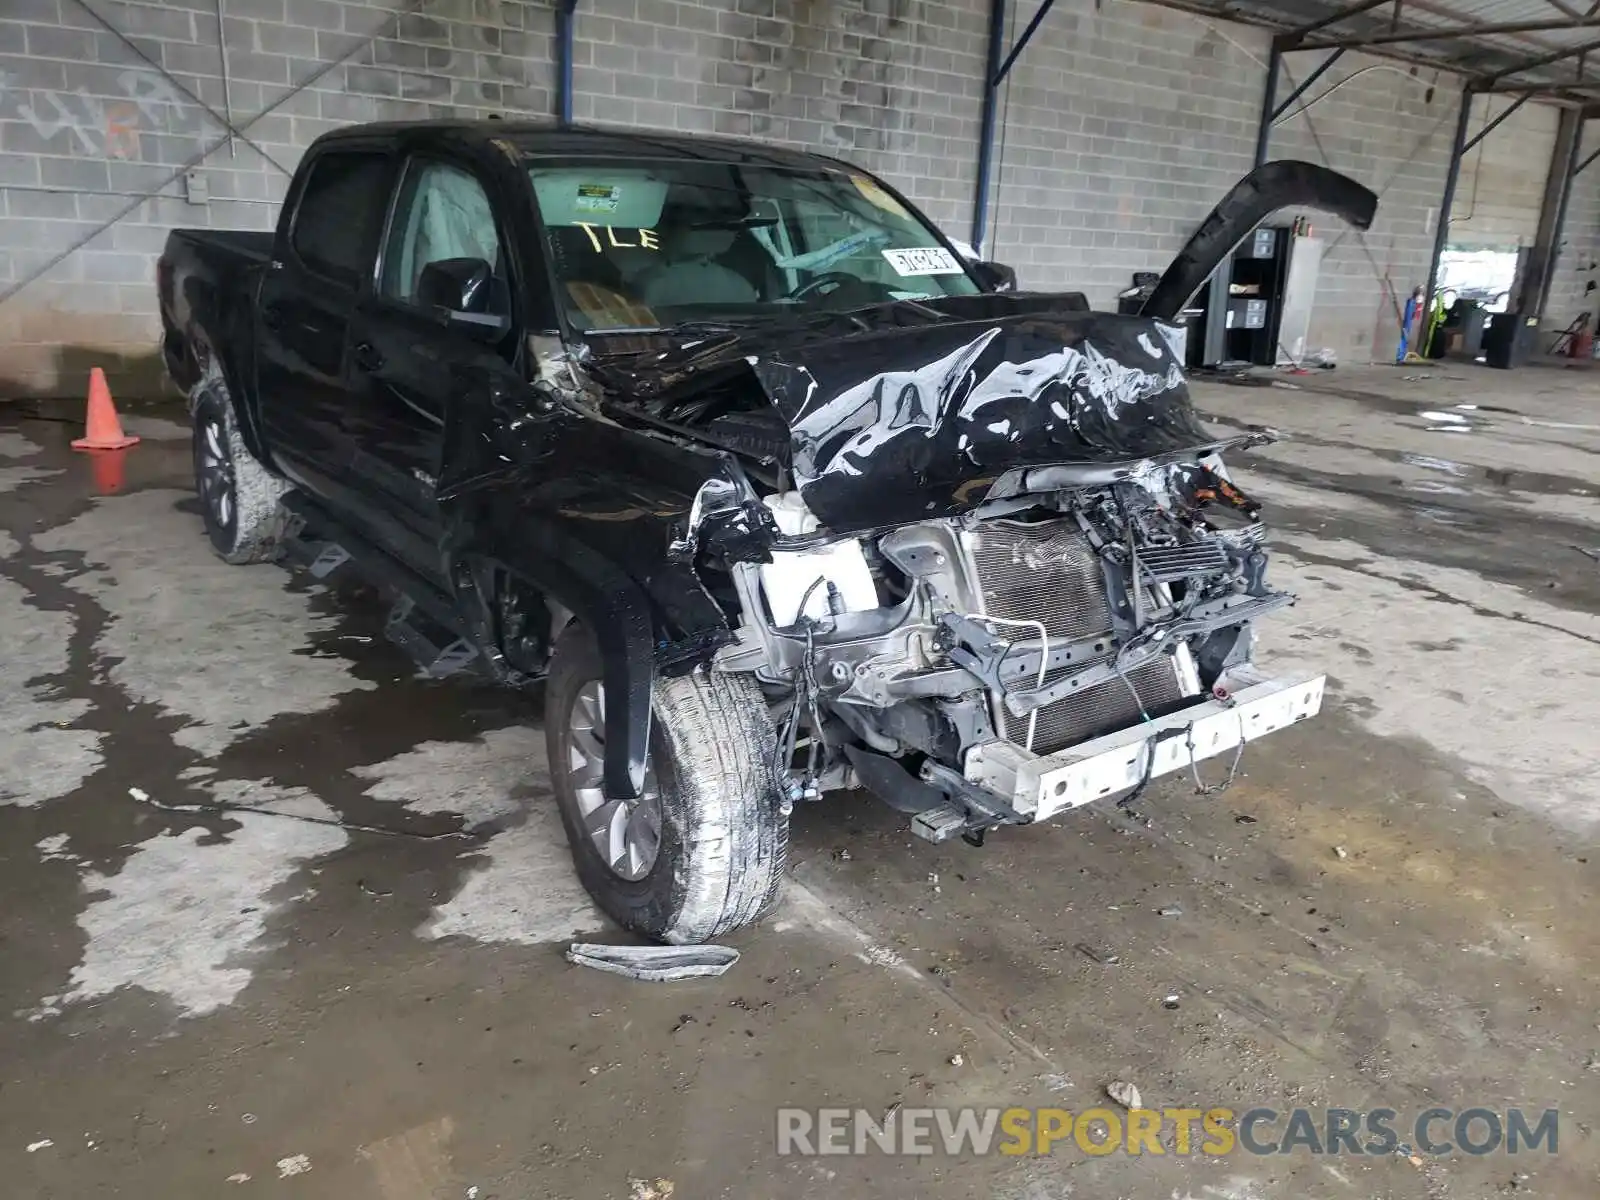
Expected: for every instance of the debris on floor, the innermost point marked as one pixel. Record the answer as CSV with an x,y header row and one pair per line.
x,y
1094,955
645,1189
1124,1094
295,1164
656,964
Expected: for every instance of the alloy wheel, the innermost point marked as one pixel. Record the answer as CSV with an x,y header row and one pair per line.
x,y
626,833
215,473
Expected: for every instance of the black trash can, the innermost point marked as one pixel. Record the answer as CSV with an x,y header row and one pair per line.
x,y
1508,339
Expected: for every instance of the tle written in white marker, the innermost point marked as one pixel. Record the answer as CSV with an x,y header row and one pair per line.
x,y
647,238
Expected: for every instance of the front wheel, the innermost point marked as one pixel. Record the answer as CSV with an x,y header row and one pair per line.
x,y
702,850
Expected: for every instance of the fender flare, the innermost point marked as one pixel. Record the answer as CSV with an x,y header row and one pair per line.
x,y
209,352
601,596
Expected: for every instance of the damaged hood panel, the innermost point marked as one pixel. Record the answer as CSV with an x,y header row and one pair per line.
x,y
908,422
915,423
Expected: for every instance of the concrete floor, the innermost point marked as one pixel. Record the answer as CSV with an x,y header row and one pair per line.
x,y
350,984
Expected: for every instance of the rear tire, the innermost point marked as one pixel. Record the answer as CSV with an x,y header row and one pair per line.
x,y
238,496
723,837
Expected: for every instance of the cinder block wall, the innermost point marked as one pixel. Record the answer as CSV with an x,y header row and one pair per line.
x,y
1125,123
1578,257
95,116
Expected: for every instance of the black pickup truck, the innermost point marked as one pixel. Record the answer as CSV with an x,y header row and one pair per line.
x,y
773,491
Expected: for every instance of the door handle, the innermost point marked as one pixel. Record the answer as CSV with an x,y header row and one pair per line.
x,y
368,358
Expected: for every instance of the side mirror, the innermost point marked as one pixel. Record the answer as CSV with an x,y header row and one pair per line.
x,y
457,285
995,277
462,289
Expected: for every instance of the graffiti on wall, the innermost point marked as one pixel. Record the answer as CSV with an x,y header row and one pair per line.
x,y
97,126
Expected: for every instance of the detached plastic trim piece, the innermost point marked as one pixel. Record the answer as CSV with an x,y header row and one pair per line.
x,y
654,964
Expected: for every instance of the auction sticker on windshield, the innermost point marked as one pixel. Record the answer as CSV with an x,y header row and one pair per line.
x,y
933,260
597,197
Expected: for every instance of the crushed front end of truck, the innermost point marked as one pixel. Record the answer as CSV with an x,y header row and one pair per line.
x,y
984,561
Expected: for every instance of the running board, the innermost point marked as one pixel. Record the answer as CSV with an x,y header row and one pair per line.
x,y
407,629
422,620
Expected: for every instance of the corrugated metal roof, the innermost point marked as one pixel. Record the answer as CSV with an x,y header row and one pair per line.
x,y
1450,36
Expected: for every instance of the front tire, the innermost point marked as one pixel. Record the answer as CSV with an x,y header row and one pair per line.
x,y
238,496
703,850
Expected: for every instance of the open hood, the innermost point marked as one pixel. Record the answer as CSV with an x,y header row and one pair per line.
x,y
1271,186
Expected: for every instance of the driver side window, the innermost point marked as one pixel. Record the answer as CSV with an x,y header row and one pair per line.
x,y
442,213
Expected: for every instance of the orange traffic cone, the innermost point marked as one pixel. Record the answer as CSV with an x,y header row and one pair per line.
x,y
104,431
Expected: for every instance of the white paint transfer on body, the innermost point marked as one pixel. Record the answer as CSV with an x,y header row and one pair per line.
x,y
185,913
198,637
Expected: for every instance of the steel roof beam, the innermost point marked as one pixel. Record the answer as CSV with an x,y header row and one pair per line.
x,y
1544,60
1355,10
1450,33
1495,124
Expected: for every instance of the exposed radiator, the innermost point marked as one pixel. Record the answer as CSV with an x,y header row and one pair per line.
x,y
1048,572
1167,564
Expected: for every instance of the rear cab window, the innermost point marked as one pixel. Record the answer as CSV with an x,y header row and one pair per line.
x,y
340,211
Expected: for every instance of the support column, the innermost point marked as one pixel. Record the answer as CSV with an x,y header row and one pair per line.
x,y
1540,269
566,22
991,88
1269,99
1441,233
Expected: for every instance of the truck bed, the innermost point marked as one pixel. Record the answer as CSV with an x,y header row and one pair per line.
x,y
206,280
246,243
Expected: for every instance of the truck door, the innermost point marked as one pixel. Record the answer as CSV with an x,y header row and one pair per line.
x,y
307,298
413,359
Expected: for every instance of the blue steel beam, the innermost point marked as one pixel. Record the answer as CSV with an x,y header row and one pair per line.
x,y
997,45
566,21
995,69
996,79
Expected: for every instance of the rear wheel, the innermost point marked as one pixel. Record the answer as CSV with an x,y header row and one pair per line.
x,y
238,496
702,850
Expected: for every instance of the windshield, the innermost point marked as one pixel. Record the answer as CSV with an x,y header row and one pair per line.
x,y
649,245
